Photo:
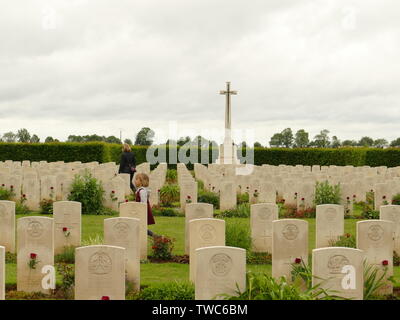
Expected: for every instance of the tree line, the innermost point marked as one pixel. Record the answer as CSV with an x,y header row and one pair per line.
x,y
145,137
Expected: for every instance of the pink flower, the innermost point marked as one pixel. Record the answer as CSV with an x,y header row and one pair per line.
x,y
33,256
385,262
297,260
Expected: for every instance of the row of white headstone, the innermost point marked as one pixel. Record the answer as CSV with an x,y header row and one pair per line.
x,y
33,182
296,184
286,238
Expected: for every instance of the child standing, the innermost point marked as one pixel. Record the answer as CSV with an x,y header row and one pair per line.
x,y
142,195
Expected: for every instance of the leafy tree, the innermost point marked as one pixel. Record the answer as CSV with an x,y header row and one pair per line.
x,y
394,143
113,139
380,143
321,140
349,143
301,139
335,142
49,140
366,142
9,137
128,141
93,138
23,135
276,140
287,137
257,145
73,138
144,137
35,139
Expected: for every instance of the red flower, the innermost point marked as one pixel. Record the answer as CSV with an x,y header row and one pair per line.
x,y
189,197
384,197
255,190
33,256
297,260
12,187
354,195
113,191
348,198
126,200
3,185
295,193
158,190
65,229
348,235
385,262
51,188
24,195
105,298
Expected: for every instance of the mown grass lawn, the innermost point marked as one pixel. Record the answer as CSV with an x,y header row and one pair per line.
x,y
155,273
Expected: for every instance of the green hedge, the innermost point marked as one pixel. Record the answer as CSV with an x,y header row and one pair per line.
x,y
68,152
104,152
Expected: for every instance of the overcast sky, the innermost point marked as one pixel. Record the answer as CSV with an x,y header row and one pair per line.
x,y
82,67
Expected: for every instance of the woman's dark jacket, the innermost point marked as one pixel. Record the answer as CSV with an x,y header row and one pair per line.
x,y
127,162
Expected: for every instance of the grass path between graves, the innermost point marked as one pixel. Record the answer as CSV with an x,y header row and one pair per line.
x,y
153,273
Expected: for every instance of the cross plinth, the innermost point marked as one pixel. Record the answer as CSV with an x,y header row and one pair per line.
x,y
228,151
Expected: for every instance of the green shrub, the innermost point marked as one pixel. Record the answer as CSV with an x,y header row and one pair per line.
x,y
172,176
66,256
327,194
368,211
89,192
169,194
242,198
237,233
200,186
168,291
67,273
5,194
208,197
164,212
241,211
262,286
46,206
346,240
21,208
396,199
162,248
373,281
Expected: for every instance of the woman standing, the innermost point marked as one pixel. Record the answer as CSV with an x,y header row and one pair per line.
x,y
128,163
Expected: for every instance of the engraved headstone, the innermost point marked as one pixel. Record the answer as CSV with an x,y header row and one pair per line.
x,y
261,217
7,225
220,270
339,270
392,213
35,250
204,233
67,224
329,224
100,272
289,242
227,196
124,232
137,210
195,211
375,238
